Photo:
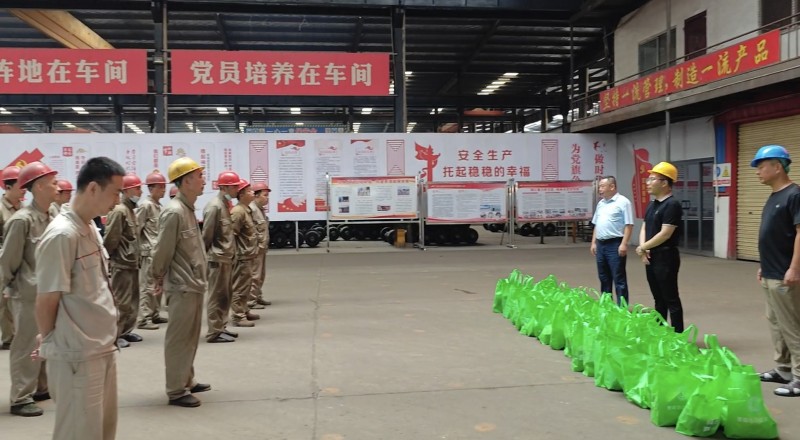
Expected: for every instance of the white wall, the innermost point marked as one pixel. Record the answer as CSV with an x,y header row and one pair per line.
x,y
724,19
693,139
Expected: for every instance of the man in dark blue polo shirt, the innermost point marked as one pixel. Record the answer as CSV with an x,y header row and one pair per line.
x,y
613,224
658,246
779,272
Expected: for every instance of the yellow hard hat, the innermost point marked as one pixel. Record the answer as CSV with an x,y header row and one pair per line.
x,y
666,169
181,167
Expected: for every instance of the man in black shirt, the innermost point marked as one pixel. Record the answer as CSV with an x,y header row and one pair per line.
x,y
658,246
779,273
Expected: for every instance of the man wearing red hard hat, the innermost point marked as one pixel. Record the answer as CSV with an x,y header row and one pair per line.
x,y
261,192
63,197
220,248
18,275
246,238
147,212
122,243
12,201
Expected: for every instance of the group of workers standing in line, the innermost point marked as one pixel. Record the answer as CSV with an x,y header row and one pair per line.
x,y
72,297
659,237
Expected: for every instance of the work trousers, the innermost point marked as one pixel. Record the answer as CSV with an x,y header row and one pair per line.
x,y
783,315
611,268
149,303
125,287
219,297
181,339
241,286
27,376
6,320
86,398
259,275
662,276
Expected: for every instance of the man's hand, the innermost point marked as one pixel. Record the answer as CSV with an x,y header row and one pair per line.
x,y
758,275
792,277
593,249
645,258
639,250
35,353
159,287
623,250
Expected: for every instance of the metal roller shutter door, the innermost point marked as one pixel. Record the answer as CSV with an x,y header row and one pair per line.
x,y
752,194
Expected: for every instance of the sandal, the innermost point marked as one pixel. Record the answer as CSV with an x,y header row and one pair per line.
x,y
774,375
792,389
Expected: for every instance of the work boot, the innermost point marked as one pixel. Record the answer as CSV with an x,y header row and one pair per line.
x,y
252,316
27,410
243,323
160,320
255,305
148,325
263,302
40,397
187,401
230,333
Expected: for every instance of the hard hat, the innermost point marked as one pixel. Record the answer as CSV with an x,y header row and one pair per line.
x,y
771,152
261,186
665,169
173,191
10,173
33,171
155,178
130,181
228,178
181,167
64,185
242,185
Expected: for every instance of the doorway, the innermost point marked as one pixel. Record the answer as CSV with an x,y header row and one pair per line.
x,y
695,190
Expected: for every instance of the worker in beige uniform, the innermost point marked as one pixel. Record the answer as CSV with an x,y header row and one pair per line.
x,y
121,240
12,200
244,232
147,212
18,275
75,311
180,269
173,192
62,198
261,192
219,247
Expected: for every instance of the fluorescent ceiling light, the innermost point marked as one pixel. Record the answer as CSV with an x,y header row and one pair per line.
x,y
366,110
298,123
3,111
69,125
295,110
493,86
510,74
222,110
499,82
80,110
409,73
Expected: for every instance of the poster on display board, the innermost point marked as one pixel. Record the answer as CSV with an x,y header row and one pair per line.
x,y
474,202
294,165
554,201
369,198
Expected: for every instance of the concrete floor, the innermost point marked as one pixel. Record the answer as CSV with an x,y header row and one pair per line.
x,y
371,342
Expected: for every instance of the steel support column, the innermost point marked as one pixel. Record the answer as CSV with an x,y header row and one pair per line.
x,y
399,49
160,60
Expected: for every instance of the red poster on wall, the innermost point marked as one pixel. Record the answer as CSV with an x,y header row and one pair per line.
x,y
217,72
641,198
73,71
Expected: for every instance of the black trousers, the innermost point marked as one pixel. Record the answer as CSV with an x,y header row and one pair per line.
x,y
662,276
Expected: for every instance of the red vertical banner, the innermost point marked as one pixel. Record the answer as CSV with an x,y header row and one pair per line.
x,y
641,198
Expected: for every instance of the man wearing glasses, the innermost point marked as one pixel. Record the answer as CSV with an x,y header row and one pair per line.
x,y
658,246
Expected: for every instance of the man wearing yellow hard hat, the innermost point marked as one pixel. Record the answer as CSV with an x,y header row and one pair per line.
x,y
179,252
659,239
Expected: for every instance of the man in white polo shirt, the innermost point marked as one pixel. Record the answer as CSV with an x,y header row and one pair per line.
x,y
613,225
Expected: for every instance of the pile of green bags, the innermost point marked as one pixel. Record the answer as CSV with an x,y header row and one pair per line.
x,y
697,390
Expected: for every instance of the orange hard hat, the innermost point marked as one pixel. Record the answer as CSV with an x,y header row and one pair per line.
x,y
228,178
33,171
155,178
130,181
64,185
10,173
242,185
261,186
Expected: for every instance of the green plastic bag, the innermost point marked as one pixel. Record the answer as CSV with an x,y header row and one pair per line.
x,y
670,388
575,342
745,415
636,379
702,415
500,292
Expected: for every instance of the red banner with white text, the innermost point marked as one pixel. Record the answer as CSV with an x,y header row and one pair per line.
x,y
217,72
73,71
